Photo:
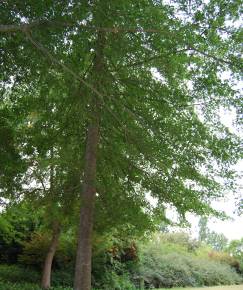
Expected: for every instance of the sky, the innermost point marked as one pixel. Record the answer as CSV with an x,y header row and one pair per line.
x,y
232,228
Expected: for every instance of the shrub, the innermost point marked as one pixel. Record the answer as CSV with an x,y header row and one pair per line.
x,y
180,270
15,273
62,277
225,258
34,251
18,286
25,286
112,281
210,273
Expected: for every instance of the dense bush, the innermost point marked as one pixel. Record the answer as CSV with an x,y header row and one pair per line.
x,y
179,270
113,281
17,223
166,261
29,286
18,286
14,273
225,258
19,274
112,261
34,251
25,286
172,260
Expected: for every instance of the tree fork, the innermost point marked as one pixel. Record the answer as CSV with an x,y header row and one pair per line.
x,y
82,279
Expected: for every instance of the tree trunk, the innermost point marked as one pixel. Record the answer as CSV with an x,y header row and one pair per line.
x,y
84,251
46,275
82,279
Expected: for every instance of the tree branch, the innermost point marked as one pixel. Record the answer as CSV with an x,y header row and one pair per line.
x,y
67,69
210,56
64,67
146,60
22,27
9,28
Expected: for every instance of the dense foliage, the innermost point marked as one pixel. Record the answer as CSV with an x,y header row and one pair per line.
x,y
26,286
169,264
166,260
119,98
145,123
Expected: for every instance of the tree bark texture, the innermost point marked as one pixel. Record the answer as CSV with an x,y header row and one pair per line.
x,y
84,250
82,279
46,275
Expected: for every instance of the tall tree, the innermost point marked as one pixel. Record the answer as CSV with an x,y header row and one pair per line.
x,y
147,76
49,183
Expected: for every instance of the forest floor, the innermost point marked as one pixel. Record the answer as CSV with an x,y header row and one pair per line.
x,y
231,287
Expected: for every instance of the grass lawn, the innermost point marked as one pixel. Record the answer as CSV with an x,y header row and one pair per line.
x,y
231,287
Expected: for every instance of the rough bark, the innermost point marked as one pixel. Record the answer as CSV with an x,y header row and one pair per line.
x,y
46,275
82,279
84,251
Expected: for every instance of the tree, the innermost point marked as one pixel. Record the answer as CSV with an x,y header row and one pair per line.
x,y
235,249
217,241
48,182
203,229
141,73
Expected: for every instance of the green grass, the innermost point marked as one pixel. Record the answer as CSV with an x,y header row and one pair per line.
x,y
230,287
29,286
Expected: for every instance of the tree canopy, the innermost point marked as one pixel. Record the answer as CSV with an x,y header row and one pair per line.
x,y
120,98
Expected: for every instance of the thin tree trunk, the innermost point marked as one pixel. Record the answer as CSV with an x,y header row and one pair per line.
x,y
46,275
82,279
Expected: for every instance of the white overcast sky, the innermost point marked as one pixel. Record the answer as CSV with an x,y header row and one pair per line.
x,y
233,227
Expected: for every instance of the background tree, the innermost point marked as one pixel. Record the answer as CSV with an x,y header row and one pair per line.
x,y
217,241
17,222
235,249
